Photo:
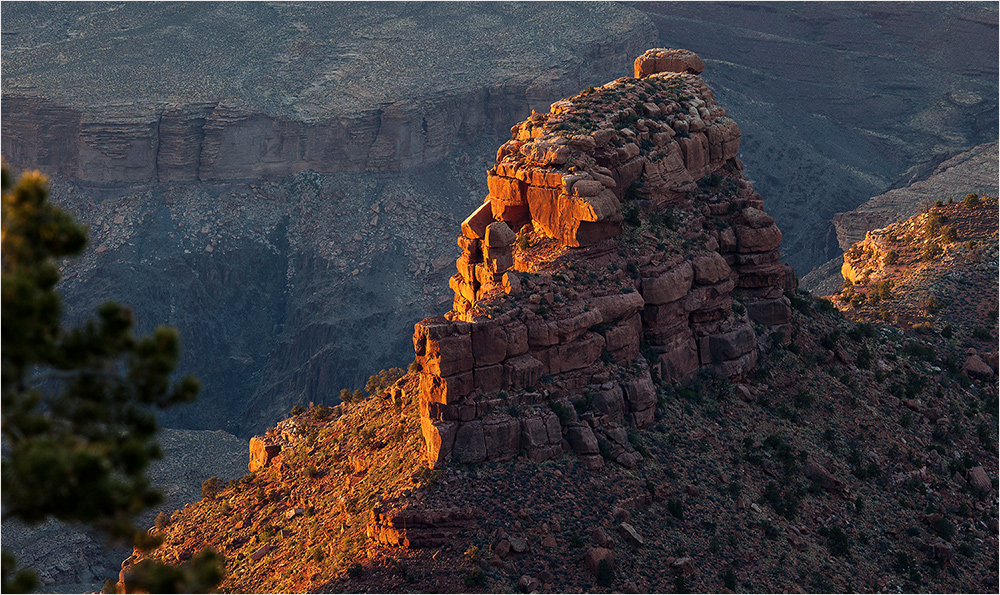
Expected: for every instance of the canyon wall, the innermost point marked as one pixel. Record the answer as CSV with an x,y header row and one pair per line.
x,y
544,350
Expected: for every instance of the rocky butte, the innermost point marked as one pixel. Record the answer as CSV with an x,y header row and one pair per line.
x,y
618,224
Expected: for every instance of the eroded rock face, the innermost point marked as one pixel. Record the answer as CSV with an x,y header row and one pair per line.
x,y
618,224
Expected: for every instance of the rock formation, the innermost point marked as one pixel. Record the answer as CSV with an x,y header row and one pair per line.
x,y
975,170
617,224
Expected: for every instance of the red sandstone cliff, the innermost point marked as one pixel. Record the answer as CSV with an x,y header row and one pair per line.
x,y
559,310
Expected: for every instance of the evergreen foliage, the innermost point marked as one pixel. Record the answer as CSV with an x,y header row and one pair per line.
x,y
78,403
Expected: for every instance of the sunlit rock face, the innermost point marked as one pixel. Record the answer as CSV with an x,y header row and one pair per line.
x,y
620,244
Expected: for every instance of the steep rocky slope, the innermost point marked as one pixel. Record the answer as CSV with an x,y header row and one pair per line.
x,y
933,270
972,171
844,456
182,132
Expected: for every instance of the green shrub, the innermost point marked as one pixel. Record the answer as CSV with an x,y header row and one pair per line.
x,y
891,257
971,200
931,251
837,541
863,358
162,520
605,574
321,412
943,528
474,578
675,508
562,412
729,580
211,487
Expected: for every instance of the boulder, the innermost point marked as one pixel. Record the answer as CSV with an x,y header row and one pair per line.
x,y
764,239
499,235
630,535
582,440
757,219
823,478
668,60
599,537
262,451
617,306
474,226
596,555
669,286
975,367
978,479
710,268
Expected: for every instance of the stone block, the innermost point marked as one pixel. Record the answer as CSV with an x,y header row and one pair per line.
x,y
750,239
474,226
762,275
447,356
533,432
506,190
622,339
640,394
660,316
262,452
720,347
582,440
679,359
669,286
470,443
770,312
489,343
568,329
488,378
502,438
517,338
576,354
710,268
617,306
439,438
523,371
445,390
499,235
609,401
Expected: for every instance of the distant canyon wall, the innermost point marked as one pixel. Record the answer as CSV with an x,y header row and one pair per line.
x,y
141,143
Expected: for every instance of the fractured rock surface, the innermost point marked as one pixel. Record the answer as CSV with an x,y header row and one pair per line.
x,y
540,352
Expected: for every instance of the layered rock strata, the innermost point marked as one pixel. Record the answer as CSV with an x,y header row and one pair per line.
x,y
616,225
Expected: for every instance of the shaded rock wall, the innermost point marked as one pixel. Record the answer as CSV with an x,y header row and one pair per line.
x,y
490,364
